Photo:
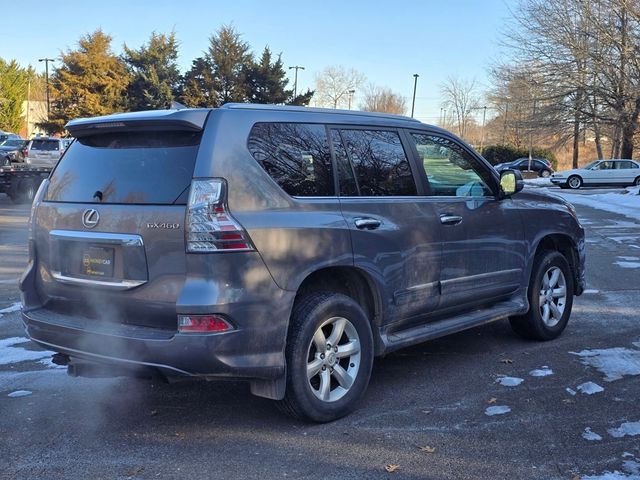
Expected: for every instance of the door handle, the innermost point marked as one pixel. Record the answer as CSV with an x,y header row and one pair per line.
x,y
367,223
450,219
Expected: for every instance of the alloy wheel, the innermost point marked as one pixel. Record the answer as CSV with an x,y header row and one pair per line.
x,y
553,296
333,359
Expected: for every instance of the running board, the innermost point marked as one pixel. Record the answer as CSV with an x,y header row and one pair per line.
x,y
411,336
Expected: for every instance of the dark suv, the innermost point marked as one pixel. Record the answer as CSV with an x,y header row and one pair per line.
x,y
286,246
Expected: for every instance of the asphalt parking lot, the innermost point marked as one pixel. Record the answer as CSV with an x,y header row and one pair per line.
x,y
479,404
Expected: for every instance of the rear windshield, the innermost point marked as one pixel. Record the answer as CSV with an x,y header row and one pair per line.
x,y
128,167
45,145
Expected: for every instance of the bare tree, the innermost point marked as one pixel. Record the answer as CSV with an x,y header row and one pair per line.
x,y
334,84
461,98
587,53
381,99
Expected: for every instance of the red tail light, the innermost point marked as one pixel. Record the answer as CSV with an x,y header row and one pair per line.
x,y
203,324
210,226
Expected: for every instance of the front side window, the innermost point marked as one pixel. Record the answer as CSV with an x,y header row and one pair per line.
x,y
295,155
379,163
450,169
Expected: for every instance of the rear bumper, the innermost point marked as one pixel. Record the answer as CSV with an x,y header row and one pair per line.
x,y
235,354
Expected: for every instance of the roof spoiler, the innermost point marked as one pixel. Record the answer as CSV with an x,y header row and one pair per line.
x,y
157,120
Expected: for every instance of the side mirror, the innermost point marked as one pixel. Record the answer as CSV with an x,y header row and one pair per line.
x,y
511,182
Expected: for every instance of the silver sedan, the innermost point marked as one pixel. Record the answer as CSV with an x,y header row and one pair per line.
x,y
601,172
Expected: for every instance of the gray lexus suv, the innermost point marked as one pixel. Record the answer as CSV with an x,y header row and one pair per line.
x,y
285,246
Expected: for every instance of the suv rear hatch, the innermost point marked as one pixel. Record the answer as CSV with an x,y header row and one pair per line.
x,y
109,234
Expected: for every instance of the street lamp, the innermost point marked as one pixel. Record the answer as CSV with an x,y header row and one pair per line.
x,y
350,92
46,69
415,84
295,81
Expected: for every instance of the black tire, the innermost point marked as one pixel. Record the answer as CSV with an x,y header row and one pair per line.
x,y
545,173
532,325
574,182
636,182
309,314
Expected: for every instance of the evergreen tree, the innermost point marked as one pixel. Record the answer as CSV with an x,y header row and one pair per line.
x,y
155,77
13,92
198,87
266,81
219,76
90,81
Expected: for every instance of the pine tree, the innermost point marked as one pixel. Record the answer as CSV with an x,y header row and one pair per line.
x,y
90,81
13,92
219,76
155,77
266,81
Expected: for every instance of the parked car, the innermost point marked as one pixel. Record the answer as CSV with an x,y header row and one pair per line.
x,y
13,149
286,246
45,151
618,172
7,135
541,166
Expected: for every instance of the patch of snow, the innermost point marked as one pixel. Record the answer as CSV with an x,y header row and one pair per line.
x,y
627,203
589,388
20,393
541,372
48,362
630,471
636,344
628,428
629,259
538,182
614,363
510,381
591,291
591,436
628,264
623,238
9,353
16,307
627,455
570,391
497,410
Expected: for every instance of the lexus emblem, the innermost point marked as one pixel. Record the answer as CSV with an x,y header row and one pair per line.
x,y
90,218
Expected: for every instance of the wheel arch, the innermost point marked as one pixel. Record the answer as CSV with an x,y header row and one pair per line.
x,y
567,247
352,282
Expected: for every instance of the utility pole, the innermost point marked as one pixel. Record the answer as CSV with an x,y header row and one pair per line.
x,y
350,92
415,84
46,69
28,104
295,81
484,116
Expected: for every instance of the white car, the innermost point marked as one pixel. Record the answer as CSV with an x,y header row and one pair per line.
x,y
601,172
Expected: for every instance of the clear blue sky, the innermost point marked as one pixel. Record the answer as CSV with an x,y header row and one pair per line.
x,y
387,41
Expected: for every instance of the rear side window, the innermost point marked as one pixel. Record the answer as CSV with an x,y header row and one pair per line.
x,y
625,165
295,155
379,162
126,167
45,145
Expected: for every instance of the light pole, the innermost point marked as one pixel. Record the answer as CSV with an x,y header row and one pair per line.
x,y
350,92
295,81
415,84
46,70
484,116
